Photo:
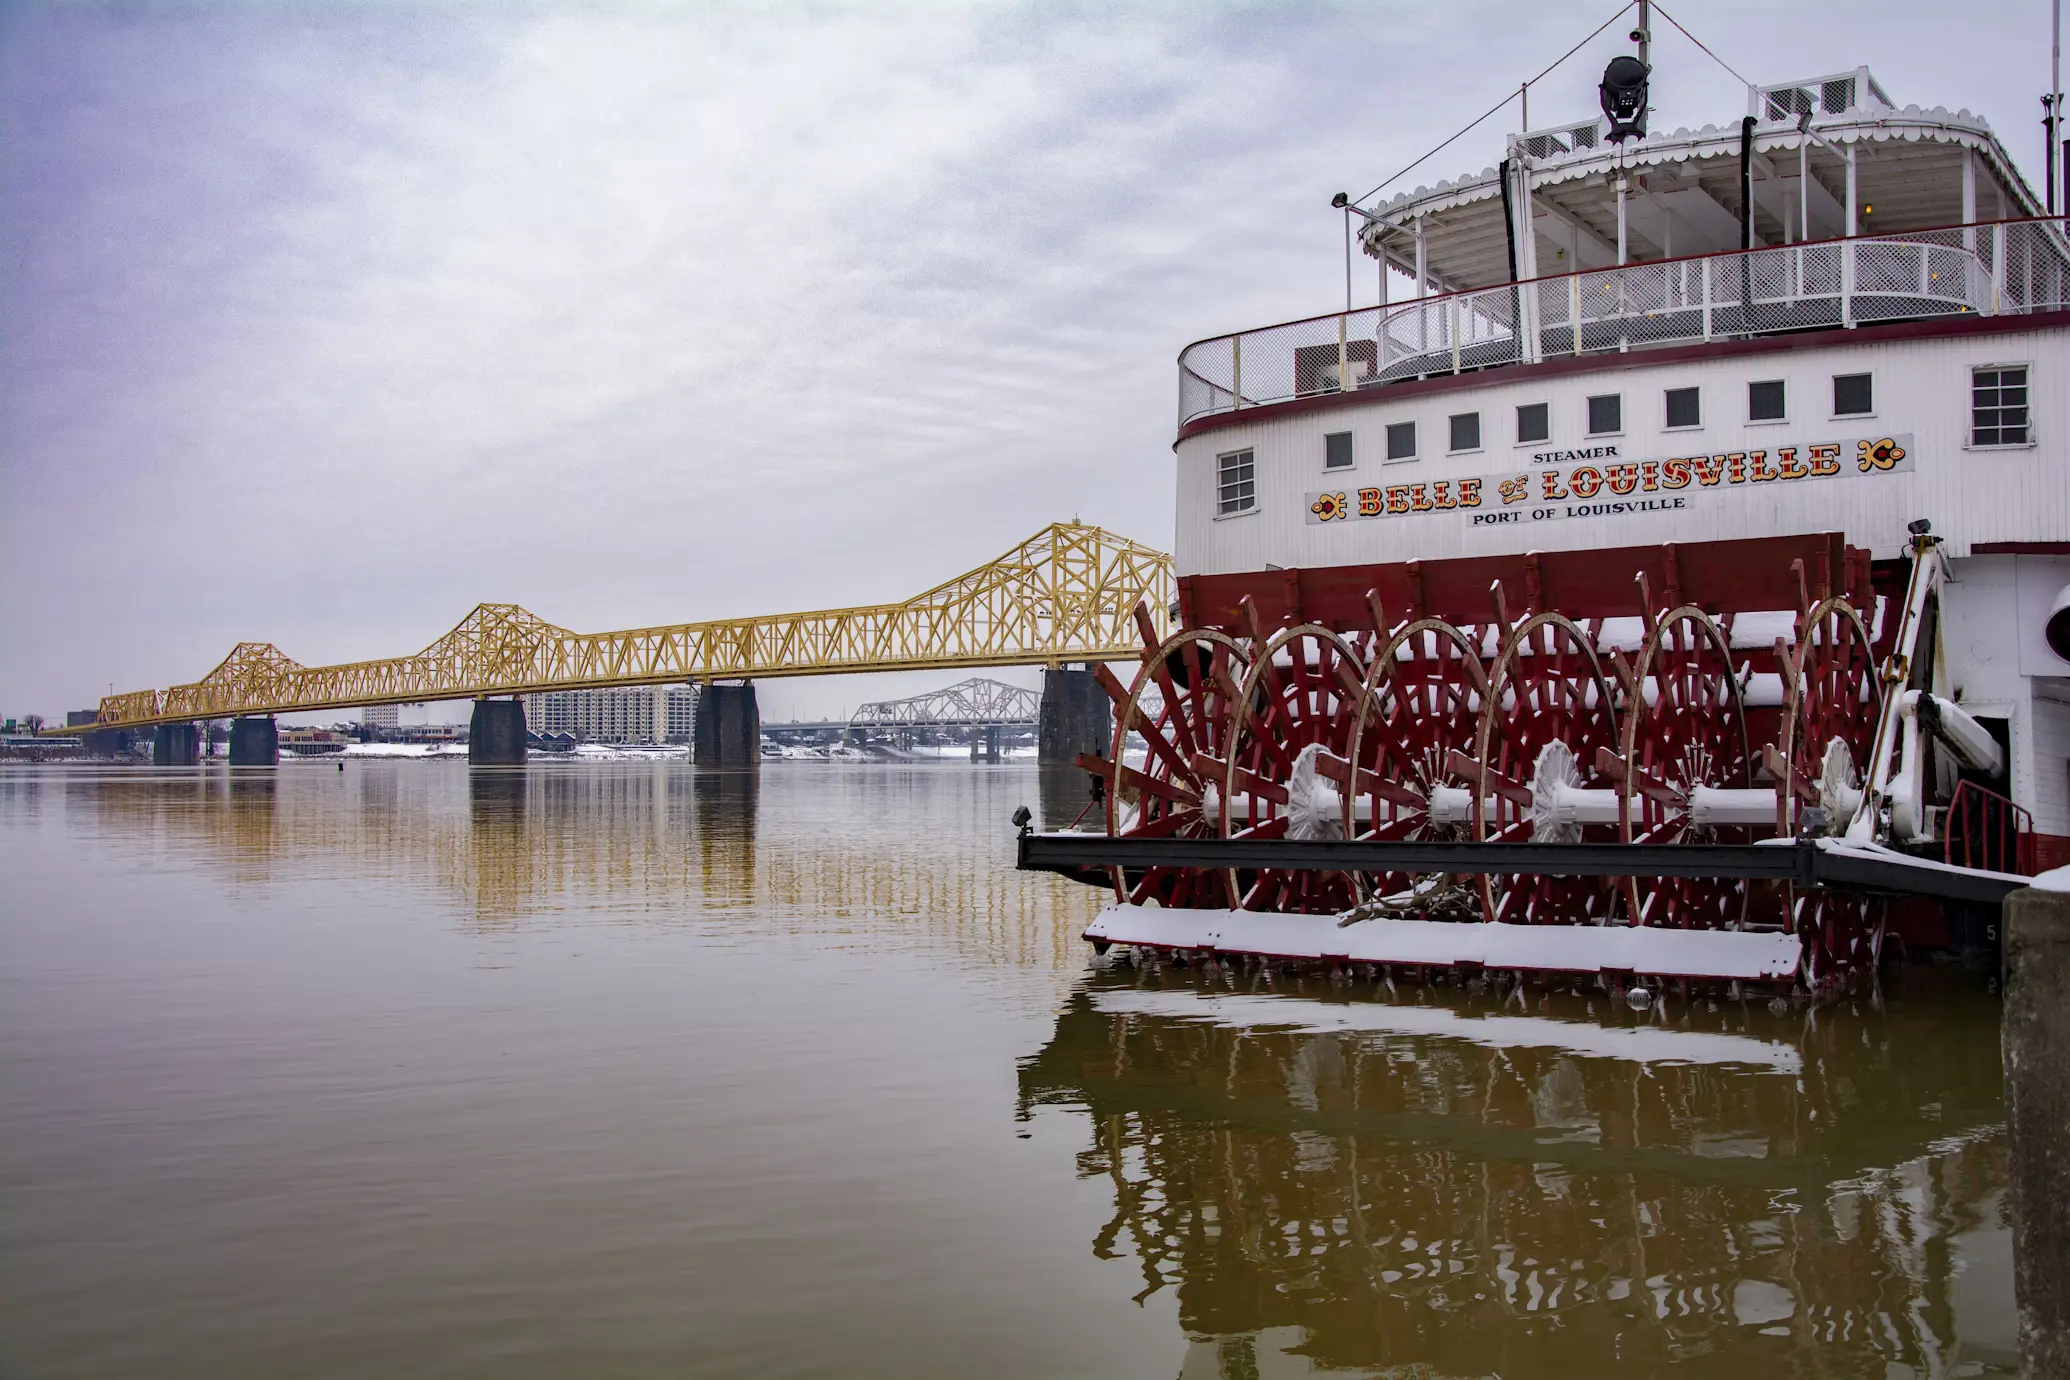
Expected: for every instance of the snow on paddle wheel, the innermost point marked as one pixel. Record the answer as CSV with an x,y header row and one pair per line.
x,y
1424,693
1548,718
1291,735
1181,703
1686,770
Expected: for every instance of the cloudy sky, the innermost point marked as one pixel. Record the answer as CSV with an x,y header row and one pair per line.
x,y
320,323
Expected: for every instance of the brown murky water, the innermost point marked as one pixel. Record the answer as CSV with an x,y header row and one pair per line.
x,y
618,1070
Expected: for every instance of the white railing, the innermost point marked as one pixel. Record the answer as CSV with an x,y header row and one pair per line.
x,y
1985,269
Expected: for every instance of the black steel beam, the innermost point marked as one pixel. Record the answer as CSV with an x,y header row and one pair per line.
x,y
1048,852
1803,863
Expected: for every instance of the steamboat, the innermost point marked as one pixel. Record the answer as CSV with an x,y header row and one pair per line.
x,y
1674,582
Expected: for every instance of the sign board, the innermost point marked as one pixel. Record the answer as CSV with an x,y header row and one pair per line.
x,y
1598,482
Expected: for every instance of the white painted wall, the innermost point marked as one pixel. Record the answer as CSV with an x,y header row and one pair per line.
x,y
1921,387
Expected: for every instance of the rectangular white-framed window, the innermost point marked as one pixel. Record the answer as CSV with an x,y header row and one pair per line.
x,y
2000,413
1854,395
1534,423
1606,414
1684,408
1401,440
1236,483
1337,451
1767,401
1466,432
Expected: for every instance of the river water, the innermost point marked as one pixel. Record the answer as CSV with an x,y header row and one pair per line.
x,y
622,1070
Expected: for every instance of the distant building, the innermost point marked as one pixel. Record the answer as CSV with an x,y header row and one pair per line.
x,y
381,715
640,714
311,741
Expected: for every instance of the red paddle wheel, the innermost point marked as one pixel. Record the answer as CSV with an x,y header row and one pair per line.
x,y
1441,731
1181,703
1424,693
1291,737
1548,716
1687,774
1833,698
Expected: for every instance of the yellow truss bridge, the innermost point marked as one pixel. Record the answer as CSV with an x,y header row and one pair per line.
x,y
1068,593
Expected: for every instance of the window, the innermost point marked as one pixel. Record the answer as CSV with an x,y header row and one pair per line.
x,y
1765,401
1852,395
1466,431
1238,490
1998,406
1606,414
1401,440
1684,407
1534,423
1337,451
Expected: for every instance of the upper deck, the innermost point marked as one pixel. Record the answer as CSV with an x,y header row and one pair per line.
x,y
1827,206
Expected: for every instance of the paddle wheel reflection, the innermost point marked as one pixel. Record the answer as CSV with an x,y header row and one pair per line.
x,y
1462,1185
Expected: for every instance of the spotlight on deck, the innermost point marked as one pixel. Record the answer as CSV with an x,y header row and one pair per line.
x,y
1341,200
1624,97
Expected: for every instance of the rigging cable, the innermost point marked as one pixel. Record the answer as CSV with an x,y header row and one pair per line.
x,y
1622,10
1661,10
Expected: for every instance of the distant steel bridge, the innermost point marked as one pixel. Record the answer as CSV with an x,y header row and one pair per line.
x,y
973,703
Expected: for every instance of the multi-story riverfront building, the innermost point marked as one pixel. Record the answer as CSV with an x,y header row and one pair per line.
x,y
637,714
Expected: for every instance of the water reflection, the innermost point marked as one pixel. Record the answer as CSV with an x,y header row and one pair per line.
x,y
1436,1185
925,849
1066,797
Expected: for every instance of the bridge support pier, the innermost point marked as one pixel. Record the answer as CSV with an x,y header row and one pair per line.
x,y
254,742
729,727
496,734
176,745
1076,717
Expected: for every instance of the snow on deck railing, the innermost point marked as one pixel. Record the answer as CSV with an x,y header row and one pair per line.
x,y
1984,269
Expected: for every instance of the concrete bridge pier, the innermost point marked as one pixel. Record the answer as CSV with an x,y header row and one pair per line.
x,y
1076,716
729,727
176,745
254,742
496,734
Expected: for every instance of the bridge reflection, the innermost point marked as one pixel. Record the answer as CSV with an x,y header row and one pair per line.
x,y
825,849
1408,1189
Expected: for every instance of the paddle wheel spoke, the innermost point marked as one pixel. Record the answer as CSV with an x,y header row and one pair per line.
x,y
1289,750
1834,698
1423,695
1548,713
1688,775
1178,706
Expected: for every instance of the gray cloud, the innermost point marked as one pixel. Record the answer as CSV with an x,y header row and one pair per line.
x,y
321,326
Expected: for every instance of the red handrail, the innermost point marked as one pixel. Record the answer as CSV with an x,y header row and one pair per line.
x,y
1984,829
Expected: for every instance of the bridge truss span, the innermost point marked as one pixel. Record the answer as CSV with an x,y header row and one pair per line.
x,y
1068,593
973,703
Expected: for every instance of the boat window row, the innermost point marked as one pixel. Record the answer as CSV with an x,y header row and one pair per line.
x,y
2000,416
